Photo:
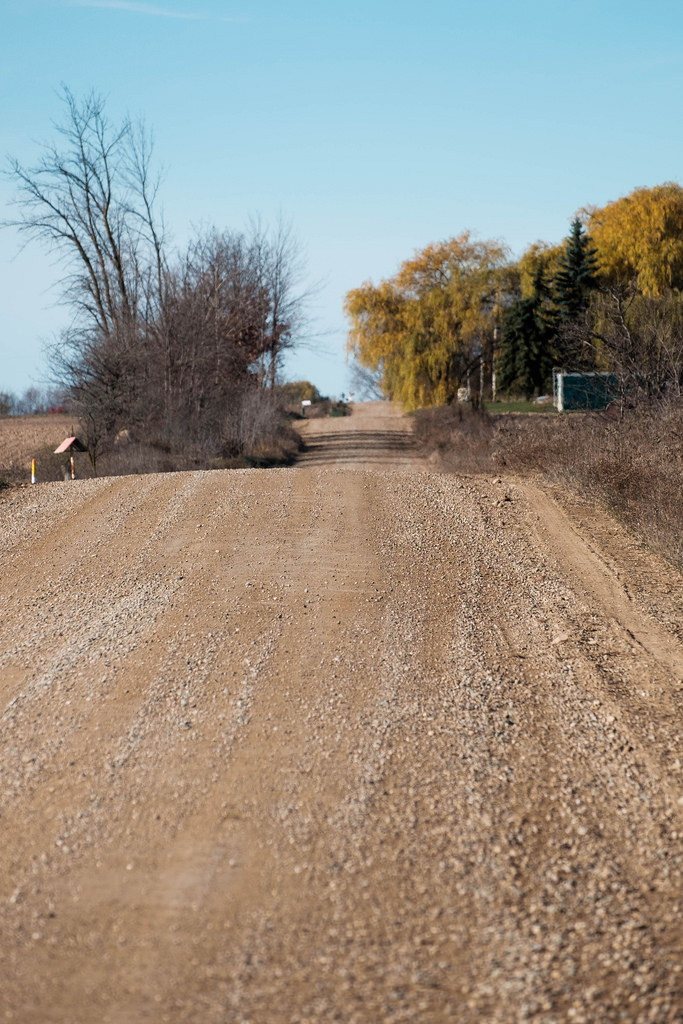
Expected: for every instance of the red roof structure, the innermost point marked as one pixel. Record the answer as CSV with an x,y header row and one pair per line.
x,y
70,444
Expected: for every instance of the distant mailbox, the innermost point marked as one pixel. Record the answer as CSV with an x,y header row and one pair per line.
x,y
70,444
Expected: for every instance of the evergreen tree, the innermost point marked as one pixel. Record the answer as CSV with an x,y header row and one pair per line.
x,y
527,351
577,273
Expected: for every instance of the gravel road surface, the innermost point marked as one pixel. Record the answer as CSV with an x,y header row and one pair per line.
x,y
351,741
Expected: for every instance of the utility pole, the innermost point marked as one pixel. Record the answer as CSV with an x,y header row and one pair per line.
x,y
493,363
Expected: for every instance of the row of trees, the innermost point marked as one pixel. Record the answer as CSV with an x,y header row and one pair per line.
x,y
173,347
461,312
33,401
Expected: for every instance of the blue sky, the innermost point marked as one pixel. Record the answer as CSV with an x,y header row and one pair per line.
x,y
372,128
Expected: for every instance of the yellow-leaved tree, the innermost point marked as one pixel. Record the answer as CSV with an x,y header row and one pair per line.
x,y
540,258
430,324
639,239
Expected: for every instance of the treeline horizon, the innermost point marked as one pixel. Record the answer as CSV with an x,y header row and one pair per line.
x,y
609,297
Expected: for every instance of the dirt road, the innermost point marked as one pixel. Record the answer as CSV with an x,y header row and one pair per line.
x,y
351,741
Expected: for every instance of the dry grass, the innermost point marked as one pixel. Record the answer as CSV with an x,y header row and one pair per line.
x,y
459,434
23,438
261,437
632,467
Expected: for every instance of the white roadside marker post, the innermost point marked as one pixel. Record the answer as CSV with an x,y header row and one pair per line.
x,y
33,471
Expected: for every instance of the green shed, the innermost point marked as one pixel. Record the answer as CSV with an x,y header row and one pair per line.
x,y
584,390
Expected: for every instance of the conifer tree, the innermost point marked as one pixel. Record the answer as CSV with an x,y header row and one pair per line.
x,y
577,273
527,352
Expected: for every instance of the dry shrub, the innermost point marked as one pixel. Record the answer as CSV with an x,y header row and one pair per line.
x,y
255,432
327,407
633,467
49,467
318,410
255,429
460,434
141,458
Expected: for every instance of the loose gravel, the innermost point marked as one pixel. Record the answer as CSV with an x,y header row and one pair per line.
x,y
353,741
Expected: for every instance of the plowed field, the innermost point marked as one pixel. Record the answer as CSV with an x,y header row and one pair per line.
x,y
23,438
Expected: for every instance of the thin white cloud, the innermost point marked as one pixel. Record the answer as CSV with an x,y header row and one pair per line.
x,y
135,8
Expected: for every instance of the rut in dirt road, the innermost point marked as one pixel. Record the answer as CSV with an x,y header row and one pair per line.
x,y
351,741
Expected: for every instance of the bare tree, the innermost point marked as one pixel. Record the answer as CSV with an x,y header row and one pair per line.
x,y
92,200
639,338
163,347
282,271
210,336
366,383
